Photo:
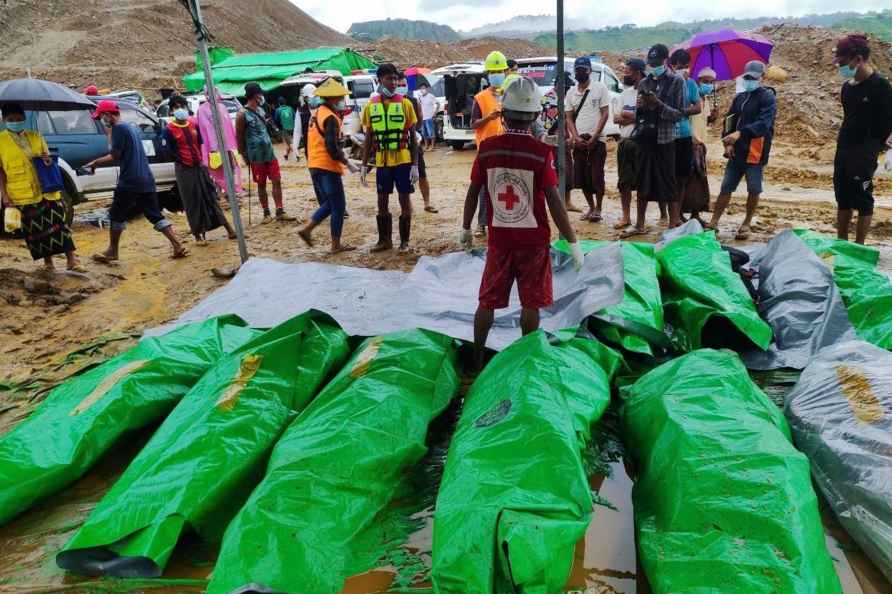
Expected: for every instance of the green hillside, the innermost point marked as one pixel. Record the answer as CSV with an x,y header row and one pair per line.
x,y
627,37
402,29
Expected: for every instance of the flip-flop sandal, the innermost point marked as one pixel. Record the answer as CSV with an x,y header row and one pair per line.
x,y
80,269
103,259
634,232
622,225
180,254
596,218
431,209
586,217
742,234
306,237
344,248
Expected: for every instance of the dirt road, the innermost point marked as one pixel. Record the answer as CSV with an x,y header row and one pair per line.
x,y
42,319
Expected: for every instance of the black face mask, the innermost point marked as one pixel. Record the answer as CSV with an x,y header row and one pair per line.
x,y
582,77
629,81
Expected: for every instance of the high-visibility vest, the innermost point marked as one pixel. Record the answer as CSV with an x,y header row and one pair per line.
x,y
389,123
21,177
319,157
488,105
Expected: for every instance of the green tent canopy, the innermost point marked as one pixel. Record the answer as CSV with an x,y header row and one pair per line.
x,y
270,69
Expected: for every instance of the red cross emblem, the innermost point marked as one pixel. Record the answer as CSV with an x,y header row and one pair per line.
x,y
509,198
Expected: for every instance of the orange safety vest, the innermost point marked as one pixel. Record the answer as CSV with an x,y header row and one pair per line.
x,y
319,157
488,104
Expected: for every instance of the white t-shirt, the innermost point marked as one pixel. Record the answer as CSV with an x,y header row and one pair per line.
x,y
627,101
429,105
590,113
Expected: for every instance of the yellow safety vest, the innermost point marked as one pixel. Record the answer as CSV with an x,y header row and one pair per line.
x,y
22,184
388,124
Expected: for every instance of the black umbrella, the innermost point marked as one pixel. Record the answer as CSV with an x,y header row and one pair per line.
x,y
37,95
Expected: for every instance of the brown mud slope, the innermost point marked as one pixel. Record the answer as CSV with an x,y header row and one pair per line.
x,y
142,44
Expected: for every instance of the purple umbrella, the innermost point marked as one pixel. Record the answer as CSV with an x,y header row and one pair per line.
x,y
726,51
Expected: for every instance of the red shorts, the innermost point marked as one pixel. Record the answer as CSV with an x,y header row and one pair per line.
x,y
530,267
266,171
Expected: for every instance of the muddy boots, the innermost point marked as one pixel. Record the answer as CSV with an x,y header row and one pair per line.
x,y
385,233
405,230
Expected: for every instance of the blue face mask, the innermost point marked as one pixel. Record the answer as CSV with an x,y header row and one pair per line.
x,y
750,85
496,79
15,127
846,71
656,71
385,92
706,88
404,91
181,114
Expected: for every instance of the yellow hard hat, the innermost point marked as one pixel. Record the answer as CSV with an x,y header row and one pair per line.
x,y
510,79
495,62
332,88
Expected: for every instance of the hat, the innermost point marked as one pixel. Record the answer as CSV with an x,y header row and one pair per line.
x,y
707,72
754,69
852,45
331,88
11,108
252,90
91,91
636,64
105,106
522,99
308,90
657,55
582,62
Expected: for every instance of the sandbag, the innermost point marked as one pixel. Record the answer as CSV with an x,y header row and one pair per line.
x,y
704,299
840,413
636,323
800,300
209,453
515,498
312,522
723,501
84,417
866,291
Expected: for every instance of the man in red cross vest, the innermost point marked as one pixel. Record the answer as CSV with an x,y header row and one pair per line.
x,y
519,175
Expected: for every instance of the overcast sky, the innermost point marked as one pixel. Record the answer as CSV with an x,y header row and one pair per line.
x,y
467,14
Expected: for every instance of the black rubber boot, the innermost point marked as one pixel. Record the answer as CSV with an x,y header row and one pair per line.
x,y
385,233
405,231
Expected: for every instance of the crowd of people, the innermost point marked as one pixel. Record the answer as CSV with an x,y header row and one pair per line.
x,y
663,114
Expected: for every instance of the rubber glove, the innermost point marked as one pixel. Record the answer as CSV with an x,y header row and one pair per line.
x,y
466,239
578,258
887,164
363,171
351,167
413,174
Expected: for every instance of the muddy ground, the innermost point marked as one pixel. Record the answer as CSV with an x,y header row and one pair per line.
x,y
51,326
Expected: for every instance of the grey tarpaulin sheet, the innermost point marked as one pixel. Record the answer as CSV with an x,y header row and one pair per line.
x,y
801,303
440,294
840,414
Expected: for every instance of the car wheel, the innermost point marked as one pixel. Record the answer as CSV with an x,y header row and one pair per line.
x,y
171,201
68,205
457,145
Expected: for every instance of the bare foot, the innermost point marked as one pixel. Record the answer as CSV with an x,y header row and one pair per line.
x,y
743,233
635,232
104,258
622,224
305,235
180,253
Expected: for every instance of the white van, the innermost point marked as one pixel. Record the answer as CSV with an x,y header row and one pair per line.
x,y
543,71
361,87
460,83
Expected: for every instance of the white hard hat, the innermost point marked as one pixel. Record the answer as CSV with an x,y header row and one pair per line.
x,y
308,90
522,96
